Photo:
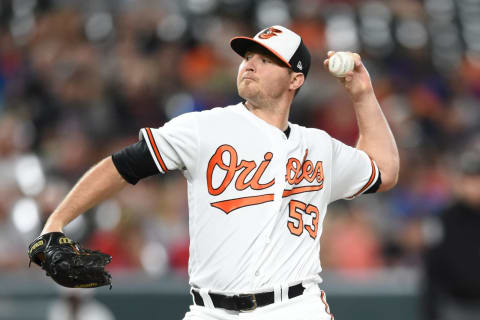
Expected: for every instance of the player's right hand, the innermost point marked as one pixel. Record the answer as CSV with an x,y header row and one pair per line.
x,y
357,82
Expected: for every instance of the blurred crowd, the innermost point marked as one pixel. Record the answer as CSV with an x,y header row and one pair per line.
x,y
78,79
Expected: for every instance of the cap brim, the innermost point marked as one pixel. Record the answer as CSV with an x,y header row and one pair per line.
x,y
241,44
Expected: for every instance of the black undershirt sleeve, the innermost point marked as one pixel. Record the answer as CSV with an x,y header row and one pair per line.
x,y
135,162
376,185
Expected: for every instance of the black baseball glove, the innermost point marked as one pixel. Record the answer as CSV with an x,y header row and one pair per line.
x,y
67,263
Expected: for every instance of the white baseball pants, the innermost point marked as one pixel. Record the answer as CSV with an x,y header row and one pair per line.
x,y
311,305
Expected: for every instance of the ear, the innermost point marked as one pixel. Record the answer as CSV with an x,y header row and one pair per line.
x,y
296,80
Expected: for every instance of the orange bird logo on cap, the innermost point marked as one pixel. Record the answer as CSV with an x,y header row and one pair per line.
x,y
268,33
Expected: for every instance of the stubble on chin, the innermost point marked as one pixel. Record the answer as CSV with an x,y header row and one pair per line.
x,y
247,92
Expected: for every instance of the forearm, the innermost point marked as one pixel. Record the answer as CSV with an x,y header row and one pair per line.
x,y
96,185
376,138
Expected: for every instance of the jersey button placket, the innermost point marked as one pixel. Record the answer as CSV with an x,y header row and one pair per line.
x,y
279,162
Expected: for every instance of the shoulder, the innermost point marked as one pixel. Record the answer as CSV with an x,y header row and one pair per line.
x,y
311,133
222,110
184,117
218,114
194,116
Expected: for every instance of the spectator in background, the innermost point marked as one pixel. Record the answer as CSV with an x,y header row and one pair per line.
x,y
348,227
452,263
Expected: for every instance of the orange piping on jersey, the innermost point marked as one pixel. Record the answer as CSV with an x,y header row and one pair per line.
x,y
155,149
372,177
228,206
327,307
298,190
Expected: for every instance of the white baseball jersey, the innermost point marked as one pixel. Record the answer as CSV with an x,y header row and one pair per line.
x,y
257,199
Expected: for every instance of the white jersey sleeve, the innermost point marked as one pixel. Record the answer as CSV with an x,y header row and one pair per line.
x,y
174,146
353,172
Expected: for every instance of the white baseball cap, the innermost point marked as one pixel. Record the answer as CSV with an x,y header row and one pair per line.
x,y
285,44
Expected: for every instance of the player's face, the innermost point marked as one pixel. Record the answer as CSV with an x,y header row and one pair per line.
x,y
262,77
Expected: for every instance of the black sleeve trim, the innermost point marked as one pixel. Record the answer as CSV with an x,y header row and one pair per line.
x,y
376,185
135,162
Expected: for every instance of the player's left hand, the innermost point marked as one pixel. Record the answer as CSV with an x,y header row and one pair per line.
x,y
69,264
357,82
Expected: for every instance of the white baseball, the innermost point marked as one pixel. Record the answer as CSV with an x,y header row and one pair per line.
x,y
341,63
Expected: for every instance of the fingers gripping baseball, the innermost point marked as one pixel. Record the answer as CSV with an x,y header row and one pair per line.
x,y
356,79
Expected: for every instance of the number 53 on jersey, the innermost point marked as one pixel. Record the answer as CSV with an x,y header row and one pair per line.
x,y
297,211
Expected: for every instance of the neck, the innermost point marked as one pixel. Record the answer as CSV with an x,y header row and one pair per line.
x,y
274,114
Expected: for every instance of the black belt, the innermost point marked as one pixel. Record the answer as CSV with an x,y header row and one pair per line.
x,y
245,302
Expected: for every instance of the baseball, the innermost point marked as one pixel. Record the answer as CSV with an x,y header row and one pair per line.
x,y
341,63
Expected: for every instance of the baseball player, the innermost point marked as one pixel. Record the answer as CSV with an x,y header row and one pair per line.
x,y
258,185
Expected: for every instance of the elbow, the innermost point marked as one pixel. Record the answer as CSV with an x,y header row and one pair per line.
x,y
389,182
390,175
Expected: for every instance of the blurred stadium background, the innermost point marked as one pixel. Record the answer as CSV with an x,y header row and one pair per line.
x,y
79,78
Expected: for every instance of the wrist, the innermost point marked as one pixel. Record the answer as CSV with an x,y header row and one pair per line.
x,y
365,97
52,227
